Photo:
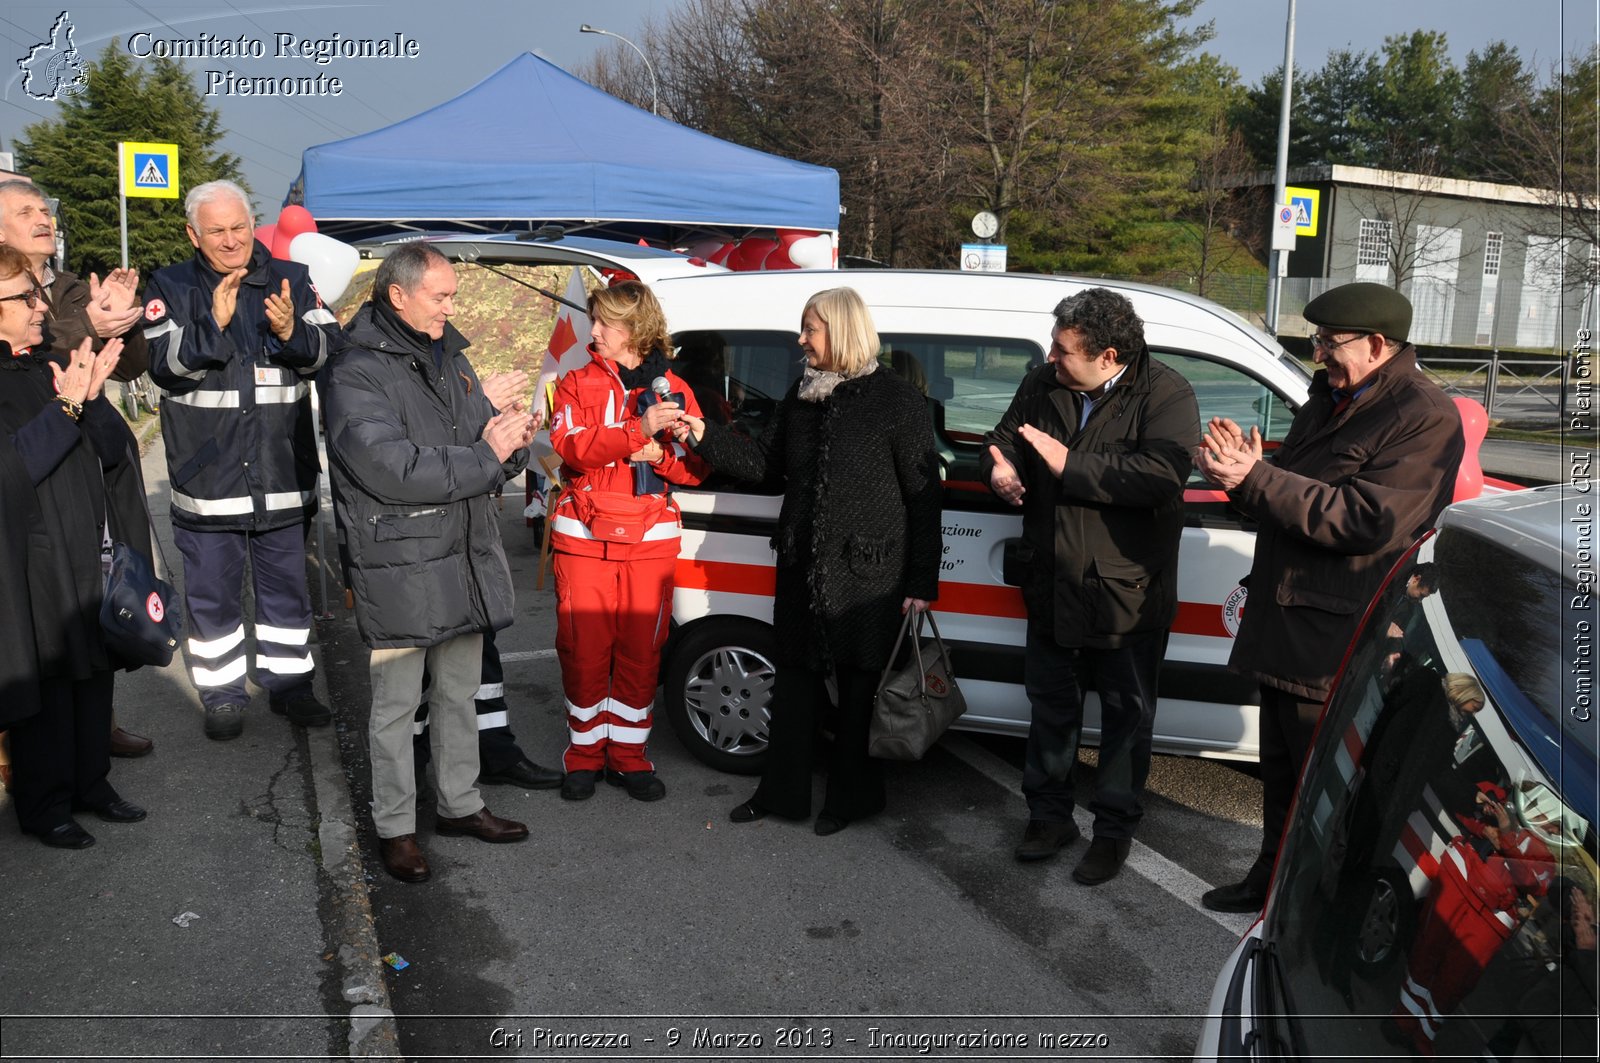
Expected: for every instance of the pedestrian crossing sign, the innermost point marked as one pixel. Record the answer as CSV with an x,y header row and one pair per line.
x,y
1306,203
150,171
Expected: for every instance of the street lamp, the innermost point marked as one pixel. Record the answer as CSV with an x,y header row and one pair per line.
x,y
586,28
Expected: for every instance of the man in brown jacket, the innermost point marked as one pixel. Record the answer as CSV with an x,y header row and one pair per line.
x,y
1366,467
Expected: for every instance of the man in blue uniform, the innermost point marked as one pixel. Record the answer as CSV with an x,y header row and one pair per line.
x,y
235,337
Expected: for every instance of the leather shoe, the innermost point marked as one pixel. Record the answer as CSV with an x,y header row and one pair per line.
x,y
1102,861
826,825
303,709
1245,897
224,722
128,744
578,785
641,785
524,773
1042,840
120,811
484,825
67,836
748,812
402,858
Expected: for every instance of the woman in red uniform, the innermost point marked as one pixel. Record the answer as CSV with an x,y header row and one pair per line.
x,y
615,537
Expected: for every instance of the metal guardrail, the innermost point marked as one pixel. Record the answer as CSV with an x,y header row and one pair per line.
x,y
1526,388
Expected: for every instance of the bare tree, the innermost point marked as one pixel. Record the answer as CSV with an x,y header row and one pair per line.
x,y
1222,211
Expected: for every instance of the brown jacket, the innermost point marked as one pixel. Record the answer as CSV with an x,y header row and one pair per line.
x,y
1343,498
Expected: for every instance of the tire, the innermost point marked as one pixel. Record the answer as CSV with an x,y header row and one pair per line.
x,y
1386,920
719,692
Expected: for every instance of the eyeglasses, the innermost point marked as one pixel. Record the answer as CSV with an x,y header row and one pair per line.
x,y
32,297
1327,343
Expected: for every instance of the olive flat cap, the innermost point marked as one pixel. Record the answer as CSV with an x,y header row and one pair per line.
x,y
1362,307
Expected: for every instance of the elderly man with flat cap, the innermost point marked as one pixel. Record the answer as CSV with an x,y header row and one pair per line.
x,y
1368,463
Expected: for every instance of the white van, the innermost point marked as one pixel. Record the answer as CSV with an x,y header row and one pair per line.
x,y
1436,890
968,339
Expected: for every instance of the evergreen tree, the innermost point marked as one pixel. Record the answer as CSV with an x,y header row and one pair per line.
x,y
75,159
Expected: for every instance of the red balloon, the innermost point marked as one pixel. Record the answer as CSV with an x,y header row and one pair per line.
x,y
779,259
720,255
266,234
280,243
751,253
1474,425
295,220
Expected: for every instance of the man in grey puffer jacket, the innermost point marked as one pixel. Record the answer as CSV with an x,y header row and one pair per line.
x,y
418,446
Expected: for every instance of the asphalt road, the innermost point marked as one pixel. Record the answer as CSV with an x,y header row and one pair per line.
x,y
621,918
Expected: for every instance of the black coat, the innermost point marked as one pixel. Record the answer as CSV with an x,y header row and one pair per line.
x,y
19,516
76,471
1099,556
859,529
413,483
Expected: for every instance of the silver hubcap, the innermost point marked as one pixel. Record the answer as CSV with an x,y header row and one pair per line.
x,y
729,695
1379,927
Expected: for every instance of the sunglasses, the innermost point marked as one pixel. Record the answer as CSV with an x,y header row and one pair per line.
x,y
32,297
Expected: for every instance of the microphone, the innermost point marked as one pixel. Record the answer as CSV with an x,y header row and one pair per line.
x,y
662,389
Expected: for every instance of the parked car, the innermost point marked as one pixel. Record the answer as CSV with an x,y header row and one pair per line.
x,y
966,339
1436,890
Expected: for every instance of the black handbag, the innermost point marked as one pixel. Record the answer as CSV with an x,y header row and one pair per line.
x,y
137,614
918,703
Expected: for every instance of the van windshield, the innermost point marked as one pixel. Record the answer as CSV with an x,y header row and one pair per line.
x,y
1437,888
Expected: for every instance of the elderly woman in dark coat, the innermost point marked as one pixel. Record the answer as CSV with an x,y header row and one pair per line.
x,y
858,545
79,456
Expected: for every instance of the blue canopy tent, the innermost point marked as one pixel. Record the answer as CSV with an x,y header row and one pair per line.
x,y
531,145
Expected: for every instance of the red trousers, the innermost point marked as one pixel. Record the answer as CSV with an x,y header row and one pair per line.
x,y
612,618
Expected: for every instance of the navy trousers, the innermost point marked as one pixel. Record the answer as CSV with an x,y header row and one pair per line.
x,y
213,594
1055,678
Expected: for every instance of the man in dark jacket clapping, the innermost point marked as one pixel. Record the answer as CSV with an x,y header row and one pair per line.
x,y
1368,463
418,447
1095,449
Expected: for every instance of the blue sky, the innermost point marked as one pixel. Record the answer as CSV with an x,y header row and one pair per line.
x,y
459,43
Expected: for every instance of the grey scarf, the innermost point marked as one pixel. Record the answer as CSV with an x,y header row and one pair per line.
x,y
818,384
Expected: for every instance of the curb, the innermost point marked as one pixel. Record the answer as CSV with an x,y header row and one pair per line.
x,y
348,923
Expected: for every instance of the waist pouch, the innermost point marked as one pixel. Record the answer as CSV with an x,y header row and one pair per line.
x,y
615,518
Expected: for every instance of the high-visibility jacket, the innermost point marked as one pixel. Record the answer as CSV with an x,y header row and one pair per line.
x,y
236,413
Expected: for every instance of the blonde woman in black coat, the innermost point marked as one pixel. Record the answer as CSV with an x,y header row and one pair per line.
x,y
857,546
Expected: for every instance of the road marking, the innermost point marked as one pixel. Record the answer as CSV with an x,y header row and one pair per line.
x,y
527,655
1173,878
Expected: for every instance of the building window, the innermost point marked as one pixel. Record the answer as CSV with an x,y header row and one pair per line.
x,y
1491,254
1374,247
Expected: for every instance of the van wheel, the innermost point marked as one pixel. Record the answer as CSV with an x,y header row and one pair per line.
x,y
719,693
1386,920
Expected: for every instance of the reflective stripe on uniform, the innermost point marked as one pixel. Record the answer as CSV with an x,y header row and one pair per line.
x,y
634,735
174,347
286,499
627,712
586,714
578,530
283,636
213,507
266,396
285,665
220,677
218,646
493,719
489,690
210,400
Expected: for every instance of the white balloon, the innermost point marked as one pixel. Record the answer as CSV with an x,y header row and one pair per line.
x,y
814,252
332,263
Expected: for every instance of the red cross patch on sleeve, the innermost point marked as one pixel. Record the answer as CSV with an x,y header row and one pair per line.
x,y
155,310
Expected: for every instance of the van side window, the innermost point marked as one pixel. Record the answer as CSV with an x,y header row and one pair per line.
x,y
1224,391
739,377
